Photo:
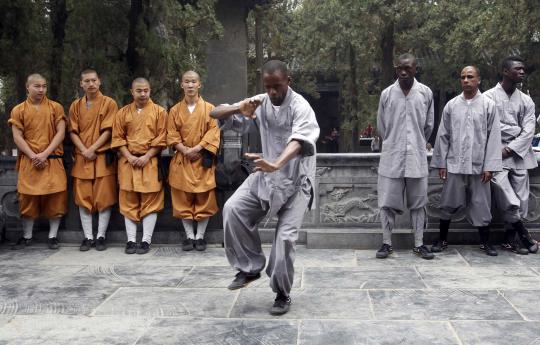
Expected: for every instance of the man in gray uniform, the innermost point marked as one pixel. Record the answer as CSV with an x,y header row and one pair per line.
x,y
281,185
466,154
511,185
404,122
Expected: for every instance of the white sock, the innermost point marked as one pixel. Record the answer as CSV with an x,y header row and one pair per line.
x,y
28,227
104,217
188,226
86,222
201,228
54,224
149,223
131,230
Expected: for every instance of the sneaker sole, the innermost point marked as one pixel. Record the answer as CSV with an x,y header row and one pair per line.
x,y
242,286
278,313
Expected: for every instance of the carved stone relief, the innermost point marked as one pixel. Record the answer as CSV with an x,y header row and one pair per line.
x,y
342,208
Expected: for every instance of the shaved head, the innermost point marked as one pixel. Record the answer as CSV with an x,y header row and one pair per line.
x,y
407,56
472,67
140,80
89,71
274,66
191,74
34,77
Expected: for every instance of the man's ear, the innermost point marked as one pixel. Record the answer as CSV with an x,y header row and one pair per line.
x,y
289,80
418,70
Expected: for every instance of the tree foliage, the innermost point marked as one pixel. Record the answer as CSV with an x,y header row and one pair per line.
x,y
354,43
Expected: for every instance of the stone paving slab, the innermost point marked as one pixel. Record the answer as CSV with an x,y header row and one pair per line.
x,y
28,256
475,257
175,256
114,255
221,277
72,300
527,302
498,332
441,305
5,319
400,258
324,257
350,332
306,303
72,330
173,302
34,275
485,278
194,331
363,278
127,275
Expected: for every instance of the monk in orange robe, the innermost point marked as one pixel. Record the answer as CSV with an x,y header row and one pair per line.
x,y
94,168
140,134
195,136
39,127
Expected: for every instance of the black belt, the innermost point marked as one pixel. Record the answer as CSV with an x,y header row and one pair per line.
x,y
55,156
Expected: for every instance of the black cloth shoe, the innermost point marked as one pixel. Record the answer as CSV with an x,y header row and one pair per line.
x,y
131,248
86,245
144,247
514,247
439,246
489,249
525,237
188,244
100,244
53,243
22,243
242,279
384,251
423,252
200,245
281,305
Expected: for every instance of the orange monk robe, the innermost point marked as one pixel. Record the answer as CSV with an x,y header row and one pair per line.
x,y
94,182
187,177
141,192
36,186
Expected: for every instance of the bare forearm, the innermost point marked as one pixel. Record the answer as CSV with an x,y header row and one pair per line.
x,y
77,141
22,145
103,138
154,151
180,147
58,137
222,112
125,152
292,150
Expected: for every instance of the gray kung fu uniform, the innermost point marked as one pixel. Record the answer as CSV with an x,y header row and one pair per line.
x,y
285,193
511,185
468,143
404,124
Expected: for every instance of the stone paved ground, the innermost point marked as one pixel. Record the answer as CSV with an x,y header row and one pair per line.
x,y
340,297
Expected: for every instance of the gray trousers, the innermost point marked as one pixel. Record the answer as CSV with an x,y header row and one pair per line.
x,y
511,193
392,194
241,216
466,191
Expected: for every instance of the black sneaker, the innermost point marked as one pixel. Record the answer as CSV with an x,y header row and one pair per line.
x,y
143,248
514,247
53,243
86,245
385,250
439,246
22,243
423,252
100,244
131,247
489,249
242,279
200,245
188,244
281,305
529,243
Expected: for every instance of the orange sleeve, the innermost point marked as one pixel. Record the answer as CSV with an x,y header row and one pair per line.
x,y
110,110
16,118
211,139
119,130
73,119
160,140
59,114
173,134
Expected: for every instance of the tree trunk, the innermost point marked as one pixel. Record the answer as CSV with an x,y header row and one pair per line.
x,y
387,48
258,47
132,56
59,17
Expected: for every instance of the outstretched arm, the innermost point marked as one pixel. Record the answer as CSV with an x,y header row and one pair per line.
x,y
292,150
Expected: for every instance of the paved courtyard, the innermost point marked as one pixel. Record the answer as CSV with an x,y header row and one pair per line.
x,y
340,297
